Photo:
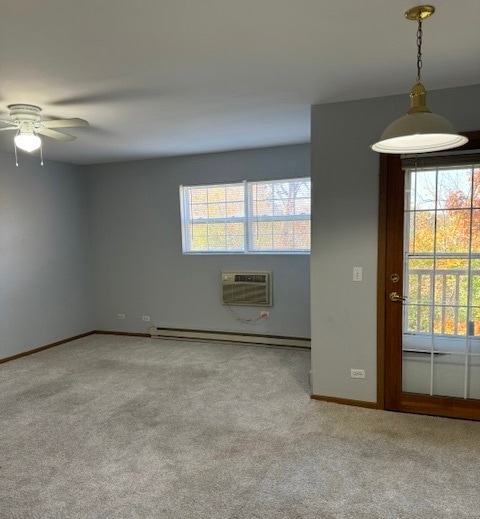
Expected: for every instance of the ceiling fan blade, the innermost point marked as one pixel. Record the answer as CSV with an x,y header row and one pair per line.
x,y
54,134
111,96
8,128
64,123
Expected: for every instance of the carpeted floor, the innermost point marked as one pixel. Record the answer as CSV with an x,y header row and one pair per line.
x,y
124,428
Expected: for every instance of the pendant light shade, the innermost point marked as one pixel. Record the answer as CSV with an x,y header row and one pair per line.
x,y
419,130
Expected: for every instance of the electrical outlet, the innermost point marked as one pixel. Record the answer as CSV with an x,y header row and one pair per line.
x,y
120,316
357,273
264,314
146,318
357,373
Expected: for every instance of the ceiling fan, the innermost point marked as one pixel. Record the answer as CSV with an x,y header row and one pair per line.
x,y
27,122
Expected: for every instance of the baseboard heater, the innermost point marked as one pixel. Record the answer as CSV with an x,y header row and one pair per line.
x,y
250,338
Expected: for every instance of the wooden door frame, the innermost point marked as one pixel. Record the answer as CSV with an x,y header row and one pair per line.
x,y
389,397
388,164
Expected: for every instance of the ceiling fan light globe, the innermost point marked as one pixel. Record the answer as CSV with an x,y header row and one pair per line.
x,y
28,142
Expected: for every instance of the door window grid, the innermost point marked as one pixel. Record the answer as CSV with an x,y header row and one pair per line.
x,y
442,277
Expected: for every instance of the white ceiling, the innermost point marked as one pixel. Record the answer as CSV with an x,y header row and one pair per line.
x,y
171,77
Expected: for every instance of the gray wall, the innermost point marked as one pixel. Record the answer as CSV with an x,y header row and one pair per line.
x,y
44,277
344,231
137,262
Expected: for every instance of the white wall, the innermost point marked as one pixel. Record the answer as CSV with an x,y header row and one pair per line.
x,y
344,231
44,277
137,262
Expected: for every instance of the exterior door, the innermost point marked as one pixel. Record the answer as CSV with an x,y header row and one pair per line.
x,y
429,284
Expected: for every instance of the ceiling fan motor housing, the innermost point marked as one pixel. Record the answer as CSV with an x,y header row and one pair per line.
x,y
23,113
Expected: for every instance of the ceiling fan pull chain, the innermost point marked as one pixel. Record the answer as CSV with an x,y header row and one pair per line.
x,y
41,154
16,156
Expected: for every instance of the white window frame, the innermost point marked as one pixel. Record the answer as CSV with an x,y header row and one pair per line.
x,y
248,219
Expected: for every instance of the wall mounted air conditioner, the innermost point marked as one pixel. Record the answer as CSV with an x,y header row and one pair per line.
x,y
246,288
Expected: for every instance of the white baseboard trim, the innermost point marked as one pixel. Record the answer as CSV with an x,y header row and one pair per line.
x,y
250,338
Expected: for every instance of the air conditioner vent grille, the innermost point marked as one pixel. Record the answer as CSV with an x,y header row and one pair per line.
x,y
246,288
251,278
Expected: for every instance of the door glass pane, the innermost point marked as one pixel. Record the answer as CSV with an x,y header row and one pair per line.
x,y
421,232
441,331
449,375
473,375
416,368
476,227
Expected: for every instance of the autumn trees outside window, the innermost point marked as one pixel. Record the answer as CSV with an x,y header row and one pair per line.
x,y
248,217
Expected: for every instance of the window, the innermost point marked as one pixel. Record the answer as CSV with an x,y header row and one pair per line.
x,y
247,217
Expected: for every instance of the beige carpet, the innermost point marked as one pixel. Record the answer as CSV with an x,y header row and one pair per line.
x,y
123,428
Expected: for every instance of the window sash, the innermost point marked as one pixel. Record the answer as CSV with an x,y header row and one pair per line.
x,y
190,222
279,209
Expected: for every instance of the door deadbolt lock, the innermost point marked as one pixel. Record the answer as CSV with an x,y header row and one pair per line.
x,y
394,278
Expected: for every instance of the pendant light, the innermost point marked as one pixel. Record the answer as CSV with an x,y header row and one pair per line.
x,y
419,130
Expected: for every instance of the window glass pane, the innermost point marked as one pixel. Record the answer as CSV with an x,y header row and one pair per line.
x,y
235,193
234,236
302,206
476,186
302,227
216,236
454,188
476,229
216,210
199,211
450,320
216,194
283,242
453,231
262,208
421,231
451,282
225,237
474,321
419,274
198,237
198,195
423,189
235,209
475,292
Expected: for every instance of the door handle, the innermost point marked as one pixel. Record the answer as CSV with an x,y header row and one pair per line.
x,y
395,297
